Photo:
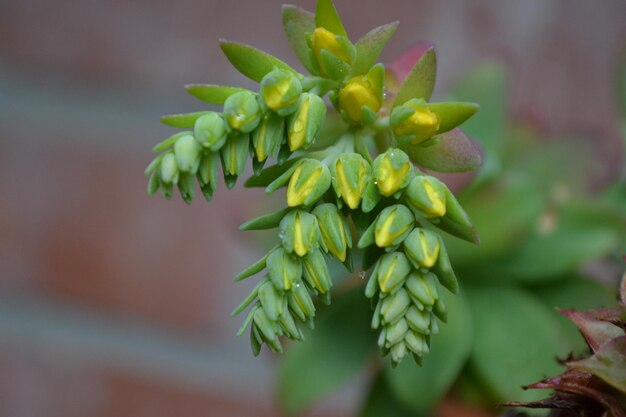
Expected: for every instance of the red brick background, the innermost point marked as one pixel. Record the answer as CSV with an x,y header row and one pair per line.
x,y
116,304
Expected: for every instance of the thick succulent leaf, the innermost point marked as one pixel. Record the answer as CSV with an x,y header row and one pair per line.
x,y
326,16
369,47
381,402
515,339
336,351
297,23
608,363
577,382
449,352
402,65
420,82
597,332
453,151
266,221
269,174
183,120
252,62
452,114
214,94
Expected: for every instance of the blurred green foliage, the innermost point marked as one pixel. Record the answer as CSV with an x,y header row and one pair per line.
x,y
539,226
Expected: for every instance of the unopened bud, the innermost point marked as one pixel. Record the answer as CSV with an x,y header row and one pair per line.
x,y
268,136
305,123
315,271
242,111
271,299
284,269
392,225
422,247
299,232
335,237
413,122
392,171
235,154
169,169
281,90
187,151
392,270
428,196
330,51
309,181
210,131
395,305
351,176
423,287
359,92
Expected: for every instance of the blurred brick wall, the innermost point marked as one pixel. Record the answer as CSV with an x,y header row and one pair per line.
x,y
115,304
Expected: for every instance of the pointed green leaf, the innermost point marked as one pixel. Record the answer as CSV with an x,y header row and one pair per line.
x,y
297,23
266,221
183,120
440,368
252,62
368,48
452,114
214,94
326,16
269,174
335,352
420,82
452,152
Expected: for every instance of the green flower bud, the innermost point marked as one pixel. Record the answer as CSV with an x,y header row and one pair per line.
x,y
284,269
325,45
335,237
392,270
305,123
395,305
300,302
418,320
210,131
271,300
268,137
308,183
234,154
396,331
299,232
359,92
416,342
187,152
242,111
267,329
281,90
351,174
423,287
413,122
428,196
398,352
289,326
315,271
422,247
392,171
208,172
169,169
392,225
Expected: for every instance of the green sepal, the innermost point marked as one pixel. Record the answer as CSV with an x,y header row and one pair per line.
x,y
334,66
255,341
283,154
282,180
443,270
169,142
252,62
368,236
247,320
284,269
182,120
256,267
440,310
208,170
271,299
234,154
297,23
186,187
266,221
371,196
369,47
249,299
154,165
326,16
371,288
315,271
269,174
153,184
210,93
420,82
456,221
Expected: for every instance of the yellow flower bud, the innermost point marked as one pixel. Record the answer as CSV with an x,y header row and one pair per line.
x,y
323,39
352,173
413,122
392,171
358,92
308,183
427,195
392,225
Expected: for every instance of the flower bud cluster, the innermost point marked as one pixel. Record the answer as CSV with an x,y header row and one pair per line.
x,y
278,120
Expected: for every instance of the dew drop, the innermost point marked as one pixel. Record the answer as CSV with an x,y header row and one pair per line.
x,y
362,274
298,285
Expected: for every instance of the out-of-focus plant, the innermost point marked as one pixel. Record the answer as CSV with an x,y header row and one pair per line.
x,y
337,192
545,234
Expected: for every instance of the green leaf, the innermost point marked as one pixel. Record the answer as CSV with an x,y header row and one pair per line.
x,y
252,62
214,94
452,114
421,388
335,352
297,23
452,152
515,341
608,363
380,402
486,85
369,47
266,221
420,82
183,120
326,16
269,174
574,293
